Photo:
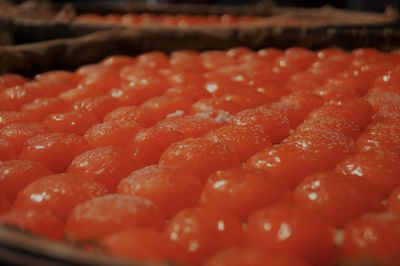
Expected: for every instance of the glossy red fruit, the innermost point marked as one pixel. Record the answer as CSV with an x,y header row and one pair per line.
x,y
58,194
297,106
70,122
145,245
102,216
13,98
9,80
275,124
42,107
339,198
140,115
241,191
252,257
188,90
345,127
269,54
99,106
154,59
358,111
42,223
215,104
107,165
190,126
200,156
17,174
4,204
11,117
149,144
245,140
7,151
299,57
373,235
118,61
170,189
334,89
330,147
58,81
117,133
54,150
394,201
197,234
387,112
381,168
285,162
165,104
292,229
18,133
381,136
139,90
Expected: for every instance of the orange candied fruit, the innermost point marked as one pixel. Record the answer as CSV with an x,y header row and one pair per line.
x,y
343,126
99,106
18,133
117,133
165,105
191,126
214,158
54,150
291,229
339,198
9,80
330,147
170,189
383,135
296,106
241,191
140,115
356,110
7,151
10,117
42,223
197,234
385,227
17,174
381,168
252,257
394,201
58,194
102,216
150,143
285,162
106,165
70,122
200,156
42,107
4,204
245,140
140,244
275,124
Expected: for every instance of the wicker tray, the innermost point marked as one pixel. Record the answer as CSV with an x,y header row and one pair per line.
x,y
52,22
70,53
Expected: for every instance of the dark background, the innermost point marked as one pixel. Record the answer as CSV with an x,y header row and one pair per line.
x,y
364,5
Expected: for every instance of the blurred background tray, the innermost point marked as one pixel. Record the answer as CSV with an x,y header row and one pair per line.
x,y
57,21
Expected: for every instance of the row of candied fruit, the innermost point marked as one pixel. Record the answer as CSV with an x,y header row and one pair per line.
x,y
181,21
216,158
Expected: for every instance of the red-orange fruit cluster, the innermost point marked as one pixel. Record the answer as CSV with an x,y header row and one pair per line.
x,y
276,157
